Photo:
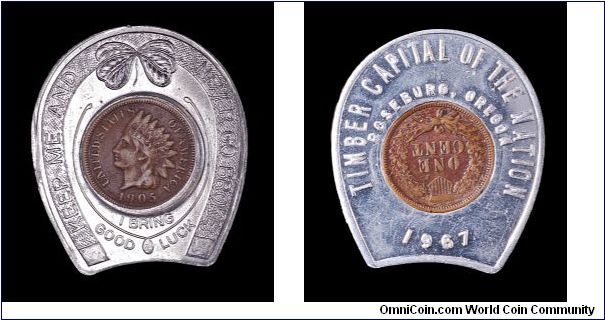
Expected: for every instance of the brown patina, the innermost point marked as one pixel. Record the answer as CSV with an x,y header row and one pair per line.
x,y
138,152
438,157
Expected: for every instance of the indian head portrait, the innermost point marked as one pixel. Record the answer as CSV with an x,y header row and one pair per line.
x,y
138,152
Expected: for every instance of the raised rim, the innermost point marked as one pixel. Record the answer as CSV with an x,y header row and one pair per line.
x,y
343,197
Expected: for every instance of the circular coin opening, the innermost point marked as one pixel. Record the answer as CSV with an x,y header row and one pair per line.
x,y
138,152
438,157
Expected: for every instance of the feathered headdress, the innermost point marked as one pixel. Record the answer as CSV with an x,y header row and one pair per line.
x,y
154,143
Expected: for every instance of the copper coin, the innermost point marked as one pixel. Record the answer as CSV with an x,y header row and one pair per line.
x,y
438,157
139,152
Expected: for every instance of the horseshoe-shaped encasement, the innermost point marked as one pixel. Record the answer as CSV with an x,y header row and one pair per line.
x,y
437,151
139,146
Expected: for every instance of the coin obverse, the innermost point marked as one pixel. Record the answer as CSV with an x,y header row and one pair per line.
x,y
139,146
437,151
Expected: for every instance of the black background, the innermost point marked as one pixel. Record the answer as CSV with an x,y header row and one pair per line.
x,y
337,38
35,267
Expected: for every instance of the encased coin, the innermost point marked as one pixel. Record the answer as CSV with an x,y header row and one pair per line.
x,y
437,151
139,146
139,152
438,157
